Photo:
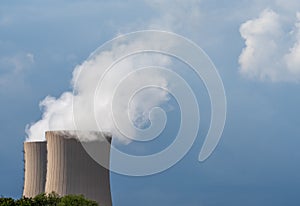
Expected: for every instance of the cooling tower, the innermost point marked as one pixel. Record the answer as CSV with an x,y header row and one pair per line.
x,y
70,170
35,157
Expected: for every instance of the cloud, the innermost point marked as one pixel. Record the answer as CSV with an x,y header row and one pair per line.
x,y
71,110
292,59
13,68
272,47
57,114
175,15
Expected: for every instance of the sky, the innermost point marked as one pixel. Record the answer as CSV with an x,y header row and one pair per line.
x,y
255,46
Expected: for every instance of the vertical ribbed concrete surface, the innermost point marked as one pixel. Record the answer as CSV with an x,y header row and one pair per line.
x,y
35,157
70,170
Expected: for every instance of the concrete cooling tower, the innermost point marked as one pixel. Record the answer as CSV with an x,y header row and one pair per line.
x,y
35,156
70,169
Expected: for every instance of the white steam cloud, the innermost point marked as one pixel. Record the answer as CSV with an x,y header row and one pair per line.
x,y
58,113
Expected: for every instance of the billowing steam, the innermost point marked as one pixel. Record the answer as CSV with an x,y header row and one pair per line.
x,y
58,113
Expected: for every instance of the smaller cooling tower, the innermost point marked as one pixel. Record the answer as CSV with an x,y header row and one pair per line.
x,y
35,157
71,170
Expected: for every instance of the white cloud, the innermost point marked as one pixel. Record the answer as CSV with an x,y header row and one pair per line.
x,y
58,113
171,15
272,47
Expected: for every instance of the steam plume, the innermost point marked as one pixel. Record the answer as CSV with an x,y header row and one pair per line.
x,y
58,112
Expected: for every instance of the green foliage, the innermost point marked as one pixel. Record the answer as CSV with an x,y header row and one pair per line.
x,y
6,201
46,200
76,200
51,199
24,202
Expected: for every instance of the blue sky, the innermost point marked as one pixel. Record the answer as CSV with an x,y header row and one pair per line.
x,y
254,45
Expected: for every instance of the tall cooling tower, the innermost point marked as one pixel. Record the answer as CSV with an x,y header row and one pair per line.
x,y
35,157
70,169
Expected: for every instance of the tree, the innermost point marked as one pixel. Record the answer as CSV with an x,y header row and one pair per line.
x,y
6,201
25,201
76,200
51,199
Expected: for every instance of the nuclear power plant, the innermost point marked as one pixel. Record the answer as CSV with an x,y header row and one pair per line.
x,y
62,165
